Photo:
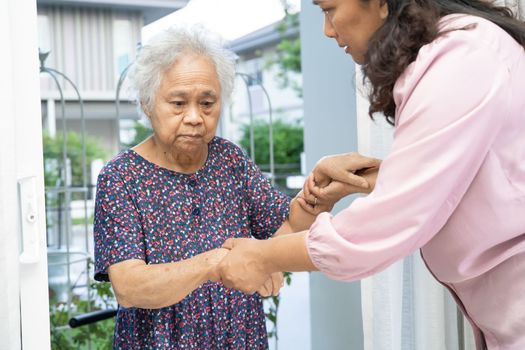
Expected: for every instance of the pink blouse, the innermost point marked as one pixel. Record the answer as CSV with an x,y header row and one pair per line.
x,y
453,184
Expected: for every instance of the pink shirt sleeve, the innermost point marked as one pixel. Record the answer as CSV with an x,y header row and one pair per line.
x,y
451,102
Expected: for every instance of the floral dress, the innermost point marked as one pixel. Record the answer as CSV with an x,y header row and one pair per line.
x,y
144,211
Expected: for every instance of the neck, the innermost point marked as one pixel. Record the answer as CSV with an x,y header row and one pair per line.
x,y
173,159
184,163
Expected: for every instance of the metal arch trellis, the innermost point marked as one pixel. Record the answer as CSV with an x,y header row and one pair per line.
x,y
121,79
246,78
64,187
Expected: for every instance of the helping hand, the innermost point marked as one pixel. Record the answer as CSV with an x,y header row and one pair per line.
x,y
343,168
335,177
243,268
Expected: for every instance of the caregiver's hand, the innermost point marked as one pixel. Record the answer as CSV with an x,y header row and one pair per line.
x,y
243,267
344,168
335,177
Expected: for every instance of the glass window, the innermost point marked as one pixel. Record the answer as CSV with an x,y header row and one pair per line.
x,y
123,45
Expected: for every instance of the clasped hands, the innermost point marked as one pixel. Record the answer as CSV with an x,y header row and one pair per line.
x,y
244,264
335,177
237,265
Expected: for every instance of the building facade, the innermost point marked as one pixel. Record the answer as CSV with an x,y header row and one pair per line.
x,y
92,43
255,51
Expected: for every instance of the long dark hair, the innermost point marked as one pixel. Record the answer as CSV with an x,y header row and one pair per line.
x,y
410,25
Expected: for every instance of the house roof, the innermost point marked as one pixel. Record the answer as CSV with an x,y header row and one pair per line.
x,y
151,10
264,37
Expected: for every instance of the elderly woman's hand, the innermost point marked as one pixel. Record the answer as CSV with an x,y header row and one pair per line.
x,y
335,177
314,208
242,268
213,258
272,286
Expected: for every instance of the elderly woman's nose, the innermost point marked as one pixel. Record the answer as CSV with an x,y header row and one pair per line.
x,y
193,116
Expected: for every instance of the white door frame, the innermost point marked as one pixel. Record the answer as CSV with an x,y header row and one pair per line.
x,y
24,304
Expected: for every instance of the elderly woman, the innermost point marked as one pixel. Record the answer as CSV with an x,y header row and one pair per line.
x,y
165,207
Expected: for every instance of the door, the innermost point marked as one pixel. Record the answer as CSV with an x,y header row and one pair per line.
x,y
24,306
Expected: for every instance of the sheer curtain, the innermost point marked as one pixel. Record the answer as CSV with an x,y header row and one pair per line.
x,y
404,307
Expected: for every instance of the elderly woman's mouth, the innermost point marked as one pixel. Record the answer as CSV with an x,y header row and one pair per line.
x,y
191,136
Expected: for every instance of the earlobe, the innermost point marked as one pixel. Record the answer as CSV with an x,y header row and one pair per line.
x,y
383,10
146,110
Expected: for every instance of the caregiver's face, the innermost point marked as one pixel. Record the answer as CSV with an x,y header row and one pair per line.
x,y
352,23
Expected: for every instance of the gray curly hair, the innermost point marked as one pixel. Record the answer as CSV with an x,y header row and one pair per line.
x,y
162,51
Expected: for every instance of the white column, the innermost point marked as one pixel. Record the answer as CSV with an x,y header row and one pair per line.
x,y
24,305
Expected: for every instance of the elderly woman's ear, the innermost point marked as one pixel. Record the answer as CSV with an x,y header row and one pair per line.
x,y
146,110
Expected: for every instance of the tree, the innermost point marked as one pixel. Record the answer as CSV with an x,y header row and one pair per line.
x,y
288,51
53,157
287,144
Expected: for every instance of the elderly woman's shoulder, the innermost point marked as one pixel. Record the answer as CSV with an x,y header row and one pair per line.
x,y
228,149
118,165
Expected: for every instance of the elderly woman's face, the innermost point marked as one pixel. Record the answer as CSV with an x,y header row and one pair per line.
x,y
352,23
187,105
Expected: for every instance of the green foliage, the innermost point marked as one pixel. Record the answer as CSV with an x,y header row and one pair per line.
x,y
287,145
99,334
141,133
288,52
53,158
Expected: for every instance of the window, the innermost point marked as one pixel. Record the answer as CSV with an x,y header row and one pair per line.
x,y
123,45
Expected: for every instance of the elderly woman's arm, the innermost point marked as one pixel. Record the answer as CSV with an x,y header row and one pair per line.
x,y
137,284
333,178
298,219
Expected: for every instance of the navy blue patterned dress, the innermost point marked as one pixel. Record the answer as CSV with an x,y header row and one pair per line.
x,y
144,211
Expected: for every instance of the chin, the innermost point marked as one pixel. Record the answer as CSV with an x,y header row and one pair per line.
x,y
192,145
358,60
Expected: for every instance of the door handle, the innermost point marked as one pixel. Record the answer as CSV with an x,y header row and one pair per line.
x,y
29,220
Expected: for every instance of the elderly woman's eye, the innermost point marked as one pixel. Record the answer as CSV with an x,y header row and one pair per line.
x,y
177,103
207,104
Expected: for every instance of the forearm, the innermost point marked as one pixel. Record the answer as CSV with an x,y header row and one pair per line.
x,y
299,218
159,285
285,229
287,253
